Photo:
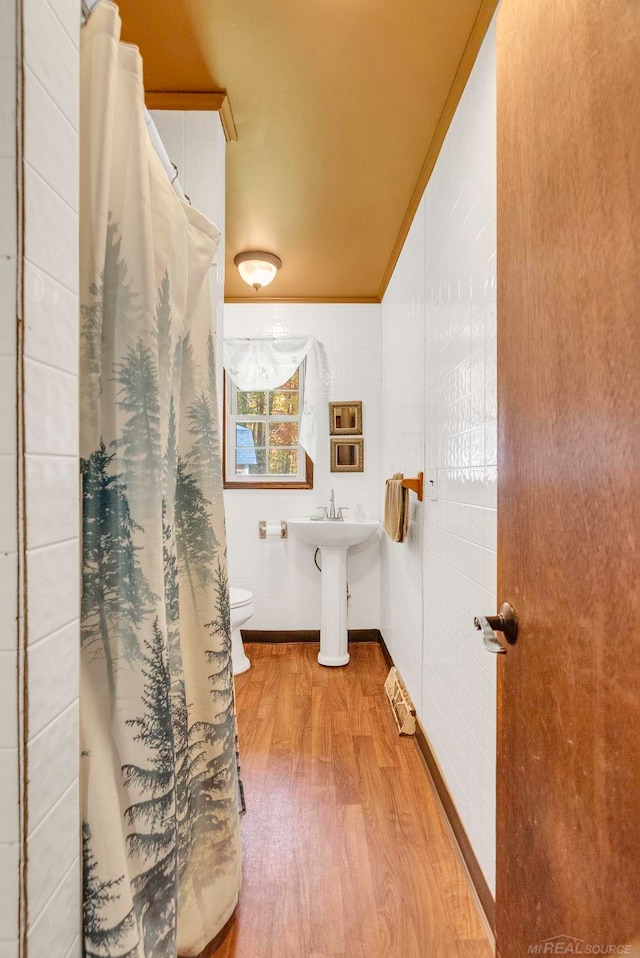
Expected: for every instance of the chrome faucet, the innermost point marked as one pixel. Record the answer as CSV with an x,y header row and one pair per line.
x,y
329,513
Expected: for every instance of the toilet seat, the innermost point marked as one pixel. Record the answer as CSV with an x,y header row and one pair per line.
x,y
239,597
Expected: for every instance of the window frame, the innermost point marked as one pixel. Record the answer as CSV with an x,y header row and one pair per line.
x,y
304,479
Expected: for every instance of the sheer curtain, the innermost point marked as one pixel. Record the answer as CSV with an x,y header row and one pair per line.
x,y
160,787
267,363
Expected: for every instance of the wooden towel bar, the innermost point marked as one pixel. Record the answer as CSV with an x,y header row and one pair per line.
x,y
415,485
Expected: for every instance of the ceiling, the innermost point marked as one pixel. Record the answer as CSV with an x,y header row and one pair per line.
x,y
340,108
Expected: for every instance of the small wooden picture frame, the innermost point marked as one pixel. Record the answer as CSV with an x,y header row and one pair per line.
x,y
347,455
345,418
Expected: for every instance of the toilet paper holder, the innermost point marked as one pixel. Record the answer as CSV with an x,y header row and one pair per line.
x,y
273,529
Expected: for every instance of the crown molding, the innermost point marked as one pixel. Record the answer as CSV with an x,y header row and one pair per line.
x,y
302,299
189,100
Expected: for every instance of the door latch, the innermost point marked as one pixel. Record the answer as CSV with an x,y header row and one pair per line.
x,y
505,624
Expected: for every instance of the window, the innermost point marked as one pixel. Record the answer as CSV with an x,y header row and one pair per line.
x,y
261,436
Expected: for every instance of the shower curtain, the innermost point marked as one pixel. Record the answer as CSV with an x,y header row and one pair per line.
x,y
160,786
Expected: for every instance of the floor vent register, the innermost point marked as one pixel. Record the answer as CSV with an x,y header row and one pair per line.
x,y
402,707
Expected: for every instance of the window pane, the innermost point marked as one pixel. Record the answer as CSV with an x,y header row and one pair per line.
x,y
283,404
250,434
294,382
283,433
256,467
252,404
283,462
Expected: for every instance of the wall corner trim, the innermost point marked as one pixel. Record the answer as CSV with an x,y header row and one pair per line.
x,y
477,882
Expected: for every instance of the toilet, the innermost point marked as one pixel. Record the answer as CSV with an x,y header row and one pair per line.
x,y
241,611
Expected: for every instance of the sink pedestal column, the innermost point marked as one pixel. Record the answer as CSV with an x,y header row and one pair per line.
x,y
334,634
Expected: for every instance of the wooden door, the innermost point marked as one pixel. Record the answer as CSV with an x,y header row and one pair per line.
x,y
569,469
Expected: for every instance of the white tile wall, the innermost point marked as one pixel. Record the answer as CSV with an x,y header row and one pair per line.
x,y
9,864
9,821
9,698
443,298
8,484
50,362
51,54
403,324
51,321
60,920
52,662
52,761
281,573
7,231
50,842
53,141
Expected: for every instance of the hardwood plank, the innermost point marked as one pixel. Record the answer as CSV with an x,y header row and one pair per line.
x,y
361,921
323,874
384,741
345,849
266,707
397,934
345,769
321,767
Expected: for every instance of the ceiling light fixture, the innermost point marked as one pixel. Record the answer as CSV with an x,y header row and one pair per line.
x,y
257,268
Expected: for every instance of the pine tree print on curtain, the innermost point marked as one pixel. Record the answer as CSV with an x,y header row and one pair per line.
x,y
102,937
152,837
160,784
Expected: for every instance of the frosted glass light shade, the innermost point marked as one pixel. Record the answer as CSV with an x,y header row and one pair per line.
x,y
257,268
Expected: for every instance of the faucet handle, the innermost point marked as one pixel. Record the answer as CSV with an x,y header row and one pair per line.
x,y
325,514
342,509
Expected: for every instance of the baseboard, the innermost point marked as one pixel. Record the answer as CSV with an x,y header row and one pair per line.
x,y
481,890
472,866
386,653
275,636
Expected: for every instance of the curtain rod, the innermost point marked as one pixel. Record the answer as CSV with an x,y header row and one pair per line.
x,y
170,168
269,339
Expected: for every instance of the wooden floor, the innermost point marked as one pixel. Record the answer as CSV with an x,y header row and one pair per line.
x,y
345,851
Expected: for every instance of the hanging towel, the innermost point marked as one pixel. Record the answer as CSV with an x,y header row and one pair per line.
x,y
396,509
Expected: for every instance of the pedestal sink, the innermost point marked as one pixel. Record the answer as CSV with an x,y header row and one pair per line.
x,y
333,539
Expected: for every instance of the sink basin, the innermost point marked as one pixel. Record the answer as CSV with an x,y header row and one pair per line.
x,y
333,539
332,535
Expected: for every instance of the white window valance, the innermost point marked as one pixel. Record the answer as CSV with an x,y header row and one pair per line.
x,y
259,364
